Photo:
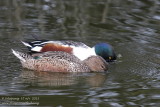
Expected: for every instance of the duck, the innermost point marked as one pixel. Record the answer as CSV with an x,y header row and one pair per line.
x,y
59,61
79,49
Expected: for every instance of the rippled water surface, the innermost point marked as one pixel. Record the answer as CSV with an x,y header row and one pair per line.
x,y
131,26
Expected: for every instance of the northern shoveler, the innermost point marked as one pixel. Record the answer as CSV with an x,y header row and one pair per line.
x,y
78,49
58,61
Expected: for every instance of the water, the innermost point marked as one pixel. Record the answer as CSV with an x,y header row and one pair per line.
x,y
131,26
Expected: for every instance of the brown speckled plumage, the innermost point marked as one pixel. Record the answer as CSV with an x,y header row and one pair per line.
x,y
58,61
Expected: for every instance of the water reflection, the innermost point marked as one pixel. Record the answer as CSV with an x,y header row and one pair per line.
x,y
35,78
50,79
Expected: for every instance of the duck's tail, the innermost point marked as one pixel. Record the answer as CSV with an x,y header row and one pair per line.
x,y
20,55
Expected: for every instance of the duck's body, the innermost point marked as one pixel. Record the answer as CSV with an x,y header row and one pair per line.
x,y
78,49
59,61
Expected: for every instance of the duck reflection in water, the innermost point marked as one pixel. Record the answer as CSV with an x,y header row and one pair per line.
x,y
56,79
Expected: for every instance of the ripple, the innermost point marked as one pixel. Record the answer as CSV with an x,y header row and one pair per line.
x,y
108,94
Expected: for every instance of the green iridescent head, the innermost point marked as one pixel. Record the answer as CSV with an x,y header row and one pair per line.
x,y
106,51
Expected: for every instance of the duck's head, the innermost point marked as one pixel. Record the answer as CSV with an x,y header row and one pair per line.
x,y
106,51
